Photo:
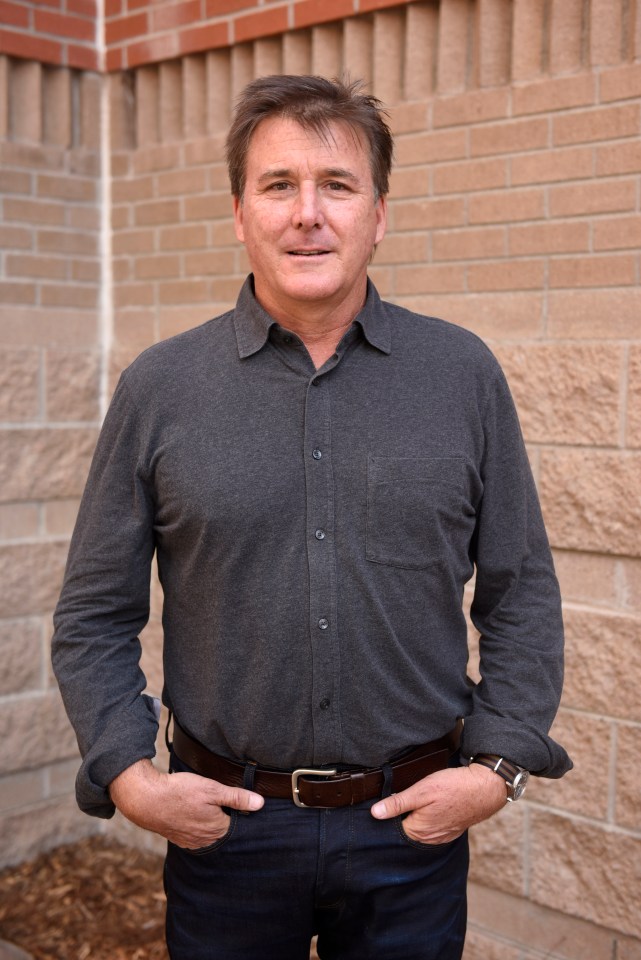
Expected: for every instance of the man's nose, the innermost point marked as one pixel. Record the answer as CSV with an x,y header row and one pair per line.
x,y
308,212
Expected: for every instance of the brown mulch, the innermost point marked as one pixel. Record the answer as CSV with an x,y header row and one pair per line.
x,y
92,900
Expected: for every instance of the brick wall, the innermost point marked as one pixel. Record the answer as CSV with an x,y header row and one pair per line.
x,y
515,211
61,32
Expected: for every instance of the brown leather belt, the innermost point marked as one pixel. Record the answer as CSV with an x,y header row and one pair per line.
x,y
336,789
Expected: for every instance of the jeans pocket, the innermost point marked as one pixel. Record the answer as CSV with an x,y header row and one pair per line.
x,y
418,844
211,847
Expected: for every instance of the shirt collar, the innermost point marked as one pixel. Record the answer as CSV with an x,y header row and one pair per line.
x,y
253,323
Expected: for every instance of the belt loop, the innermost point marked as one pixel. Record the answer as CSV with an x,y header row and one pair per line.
x,y
388,774
167,740
248,780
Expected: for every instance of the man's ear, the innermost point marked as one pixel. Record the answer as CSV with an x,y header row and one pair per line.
x,y
381,217
237,204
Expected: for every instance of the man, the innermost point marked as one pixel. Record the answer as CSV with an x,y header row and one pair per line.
x,y
319,474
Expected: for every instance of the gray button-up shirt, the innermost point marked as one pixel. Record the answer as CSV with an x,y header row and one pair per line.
x,y
314,531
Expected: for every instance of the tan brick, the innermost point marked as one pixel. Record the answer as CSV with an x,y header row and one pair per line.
x,y
387,54
506,275
608,271
83,162
633,424
406,117
438,278
184,291
566,394
620,83
86,271
497,850
550,166
208,262
27,265
418,214
470,175
134,329
19,384
60,516
43,463
26,833
431,147
165,156
506,206
151,660
618,158
83,217
589,742
605,123
15,238
218,178
181,182
617,233
512,136
527,43
494,42
21,790
173,320
478,243
32,156
67,188
567,31
608,314
15,181
589,873
134,295
132,189
17,292
479,946
510,316
156,211
22,656
32,327
183,237
207,207
627,792
606,30
121,217
68,295
453,34
402,248
223,234
596,197
588,578
157,267
19,521
628,949
133,241
208,150
61,777
72,385
473,106
548,238
556,93
32,576
411,182
60,241
34,211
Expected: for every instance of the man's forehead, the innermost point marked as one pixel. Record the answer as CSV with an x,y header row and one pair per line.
x,y
275,137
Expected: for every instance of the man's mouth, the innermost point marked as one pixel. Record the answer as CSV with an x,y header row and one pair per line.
x,y
307,253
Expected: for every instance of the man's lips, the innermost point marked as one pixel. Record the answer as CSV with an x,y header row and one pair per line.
x,y
308,253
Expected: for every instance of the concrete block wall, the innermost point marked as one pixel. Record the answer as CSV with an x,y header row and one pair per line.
x,y
50,372
515,211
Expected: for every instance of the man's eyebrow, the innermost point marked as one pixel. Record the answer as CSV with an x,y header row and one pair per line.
x,y
338,173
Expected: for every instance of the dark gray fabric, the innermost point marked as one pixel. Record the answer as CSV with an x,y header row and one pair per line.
x,y
314,531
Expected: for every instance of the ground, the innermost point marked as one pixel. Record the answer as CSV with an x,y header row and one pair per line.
x,y
93,900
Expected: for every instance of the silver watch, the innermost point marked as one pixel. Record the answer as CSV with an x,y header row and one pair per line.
x,y
515,777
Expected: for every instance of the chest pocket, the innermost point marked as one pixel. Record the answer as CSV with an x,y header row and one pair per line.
x,y
419,510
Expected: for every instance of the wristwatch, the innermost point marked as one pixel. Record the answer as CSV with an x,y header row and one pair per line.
x,y
515,777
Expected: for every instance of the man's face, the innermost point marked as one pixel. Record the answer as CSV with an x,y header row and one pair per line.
x,y
308,218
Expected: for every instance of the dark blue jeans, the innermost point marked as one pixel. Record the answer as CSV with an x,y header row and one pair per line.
x,y
283,874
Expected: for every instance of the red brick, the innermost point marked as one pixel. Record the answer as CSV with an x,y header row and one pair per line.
x,y
506,275
13,15
310,12
547,238
594,197
30,47
470,175
548,166
82,58
208,37
216,8
367,5
617,233
62,25
506,206
430,147
169,16
262,24
114,59
513,136
85,8
183,237
164,47
613,271
475,106
606,123
620,83
125,28
619,158
472,244
428,213
436,278
113,8
557,93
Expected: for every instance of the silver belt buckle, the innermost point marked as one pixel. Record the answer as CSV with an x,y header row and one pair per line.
x,y
302,772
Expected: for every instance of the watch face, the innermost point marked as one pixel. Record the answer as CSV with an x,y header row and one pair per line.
x,y
519,784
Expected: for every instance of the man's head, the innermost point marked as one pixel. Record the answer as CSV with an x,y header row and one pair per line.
x,y
315,104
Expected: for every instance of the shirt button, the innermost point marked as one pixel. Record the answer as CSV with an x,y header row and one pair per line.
x,y
324,704
323,623
320,534
317,454
316,382
287,339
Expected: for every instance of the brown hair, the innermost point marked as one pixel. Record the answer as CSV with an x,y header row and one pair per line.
x,y
314,103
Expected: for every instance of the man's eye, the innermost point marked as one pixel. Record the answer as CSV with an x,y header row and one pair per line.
x,y
279,186
336,185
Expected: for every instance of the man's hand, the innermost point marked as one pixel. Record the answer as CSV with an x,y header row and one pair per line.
x,y
183,807
445,803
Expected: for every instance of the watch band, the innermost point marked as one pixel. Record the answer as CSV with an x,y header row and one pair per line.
x,y
515,777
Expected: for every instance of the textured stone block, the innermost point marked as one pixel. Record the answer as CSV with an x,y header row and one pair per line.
x,y
61,777
588,578
603,663
31,575
587,502
627,786
19,382
151,660
586,872
480,946
566,394
25,834
35,731
60,516
19,521
20,790
633,425
21,649
498,850
42,464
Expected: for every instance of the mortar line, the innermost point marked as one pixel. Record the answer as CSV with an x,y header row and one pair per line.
x,y
106,274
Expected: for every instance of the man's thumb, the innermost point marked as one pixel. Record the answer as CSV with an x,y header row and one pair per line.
x,y
391,806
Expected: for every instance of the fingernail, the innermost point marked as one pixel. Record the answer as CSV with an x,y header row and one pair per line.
x,y
378,810
255,802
